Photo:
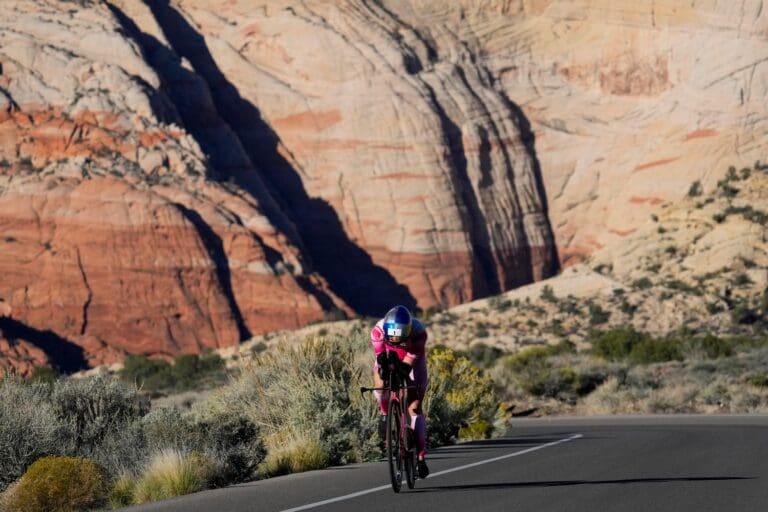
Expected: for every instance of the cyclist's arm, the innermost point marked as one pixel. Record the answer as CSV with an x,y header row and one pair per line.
x,y
377,339
417,346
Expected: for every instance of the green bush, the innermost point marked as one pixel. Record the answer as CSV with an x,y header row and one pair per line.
x,y
627,344
188,371
548,294
696,189
533,371
710,347
616,344
146,373
59,484
641,284
652,350
482,355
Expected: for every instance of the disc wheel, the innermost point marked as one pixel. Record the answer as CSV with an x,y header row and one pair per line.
x,y
410,459
394,446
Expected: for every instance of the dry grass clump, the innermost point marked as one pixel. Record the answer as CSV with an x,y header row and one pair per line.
x,y
294,456
169,473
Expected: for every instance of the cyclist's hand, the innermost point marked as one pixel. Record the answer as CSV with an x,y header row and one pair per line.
x,y
381,362
403,369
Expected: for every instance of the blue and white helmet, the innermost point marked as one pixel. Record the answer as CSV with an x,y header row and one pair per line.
x,y
397,325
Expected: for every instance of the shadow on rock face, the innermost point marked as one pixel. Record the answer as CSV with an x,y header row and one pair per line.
x,y
67,356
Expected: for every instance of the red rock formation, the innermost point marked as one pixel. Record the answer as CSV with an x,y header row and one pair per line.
x,y
172,181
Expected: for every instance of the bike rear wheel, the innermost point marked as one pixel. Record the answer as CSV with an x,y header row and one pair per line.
x,y
394,440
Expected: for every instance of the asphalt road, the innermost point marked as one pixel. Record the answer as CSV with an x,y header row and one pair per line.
x,y
657,463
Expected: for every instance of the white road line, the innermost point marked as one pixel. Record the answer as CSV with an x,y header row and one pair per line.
x,y
444,472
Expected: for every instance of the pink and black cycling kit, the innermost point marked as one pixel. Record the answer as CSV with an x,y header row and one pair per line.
x,y
412,350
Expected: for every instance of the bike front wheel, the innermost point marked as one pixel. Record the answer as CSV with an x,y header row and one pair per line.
x,y
394,441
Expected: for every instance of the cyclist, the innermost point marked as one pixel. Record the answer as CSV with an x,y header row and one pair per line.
x,y
400,334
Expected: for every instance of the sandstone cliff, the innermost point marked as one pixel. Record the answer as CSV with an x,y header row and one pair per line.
x,y
177,176
180,175
630,102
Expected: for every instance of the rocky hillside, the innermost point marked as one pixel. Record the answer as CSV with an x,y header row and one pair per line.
x,y
181,175
696,266
630,102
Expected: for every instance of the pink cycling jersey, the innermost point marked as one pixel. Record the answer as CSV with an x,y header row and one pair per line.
x,y
413,349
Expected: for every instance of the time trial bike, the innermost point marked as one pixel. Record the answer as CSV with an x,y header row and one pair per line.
x,y
400,439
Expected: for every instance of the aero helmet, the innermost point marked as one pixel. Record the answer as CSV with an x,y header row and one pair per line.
x,y
397,325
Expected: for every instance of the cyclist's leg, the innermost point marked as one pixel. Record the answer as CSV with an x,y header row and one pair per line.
x,y
415,398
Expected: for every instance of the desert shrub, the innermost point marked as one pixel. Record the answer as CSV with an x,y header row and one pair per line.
x,y
96,407
310,392
533,371
627,344
188,371
59,483
627,307
548,294
122,490
741,279
146,373
748,213
709,347
696,189
481,329
616,344
169,473
460,396
235,441
294,456
714,308
44,374
499,303
743,314
225,434
29,428
597,315
334,315
642,283
191,371
651,350
760,381
482,355
676,284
